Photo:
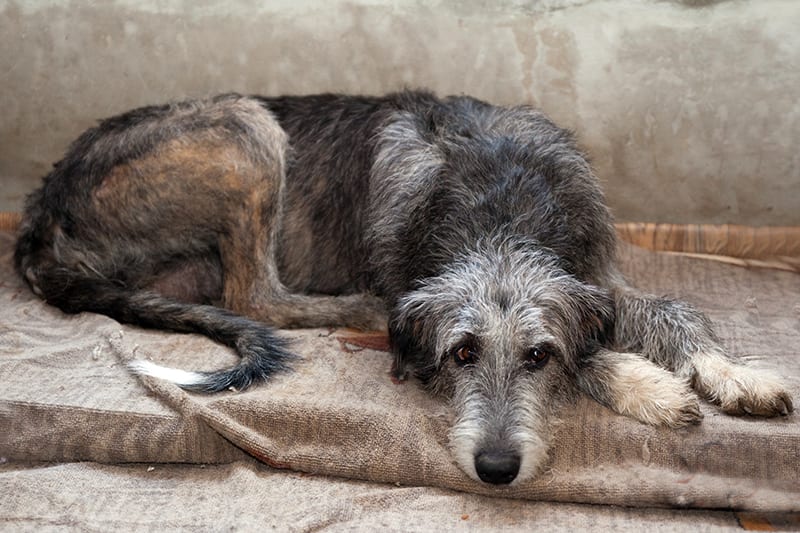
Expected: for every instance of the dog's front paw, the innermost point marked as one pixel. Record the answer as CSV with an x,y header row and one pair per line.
x,y
686,412
635,387
755,393
740,390
772,403
674,406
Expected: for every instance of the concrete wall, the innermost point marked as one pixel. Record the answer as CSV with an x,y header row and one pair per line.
x,y
690,110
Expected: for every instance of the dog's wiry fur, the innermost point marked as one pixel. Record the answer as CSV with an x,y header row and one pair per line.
x,y
479,231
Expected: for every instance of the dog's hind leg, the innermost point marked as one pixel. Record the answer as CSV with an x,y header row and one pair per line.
x,y
251,282
152,210
679,338
252,285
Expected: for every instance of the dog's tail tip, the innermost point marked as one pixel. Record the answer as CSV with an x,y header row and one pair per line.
x,y
182,378
237,378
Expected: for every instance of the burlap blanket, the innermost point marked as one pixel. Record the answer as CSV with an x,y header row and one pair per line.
x,y
246,496
65,395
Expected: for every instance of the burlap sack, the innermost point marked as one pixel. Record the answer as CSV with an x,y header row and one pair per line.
x,y
66,395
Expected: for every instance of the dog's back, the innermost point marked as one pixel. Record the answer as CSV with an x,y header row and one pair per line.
x,y
378,187
458,173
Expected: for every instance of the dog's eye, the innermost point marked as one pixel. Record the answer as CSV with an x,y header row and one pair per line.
x,y
538,356
465,355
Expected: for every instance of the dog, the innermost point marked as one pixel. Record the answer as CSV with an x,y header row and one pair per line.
x,y
478,234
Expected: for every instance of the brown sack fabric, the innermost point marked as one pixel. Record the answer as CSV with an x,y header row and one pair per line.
x,y
244,496
65,395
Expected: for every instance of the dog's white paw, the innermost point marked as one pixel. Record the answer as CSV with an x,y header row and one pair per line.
x,y
738,389
650,394
673,405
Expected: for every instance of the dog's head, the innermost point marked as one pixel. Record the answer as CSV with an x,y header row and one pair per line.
x,y
501,333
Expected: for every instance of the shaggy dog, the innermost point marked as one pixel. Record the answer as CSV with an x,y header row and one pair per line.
x,y
480,231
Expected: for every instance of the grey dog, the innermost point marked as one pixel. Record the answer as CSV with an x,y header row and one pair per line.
x,y
479,232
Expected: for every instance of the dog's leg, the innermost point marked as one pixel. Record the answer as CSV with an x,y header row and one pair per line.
x,y
633,386
739,389
679,338
252,285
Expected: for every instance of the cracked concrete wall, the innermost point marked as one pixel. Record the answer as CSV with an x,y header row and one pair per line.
x,y
689,109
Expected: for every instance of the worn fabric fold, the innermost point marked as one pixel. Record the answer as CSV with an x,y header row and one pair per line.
x,y
67,395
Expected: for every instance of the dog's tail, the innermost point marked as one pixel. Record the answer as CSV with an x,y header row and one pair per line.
x,y
262,352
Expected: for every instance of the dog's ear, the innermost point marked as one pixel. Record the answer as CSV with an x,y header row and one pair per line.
x,y
602,316
413,335
411,352
403,337
596,316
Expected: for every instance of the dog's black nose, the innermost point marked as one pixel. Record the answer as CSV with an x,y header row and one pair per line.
x,y
497,468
